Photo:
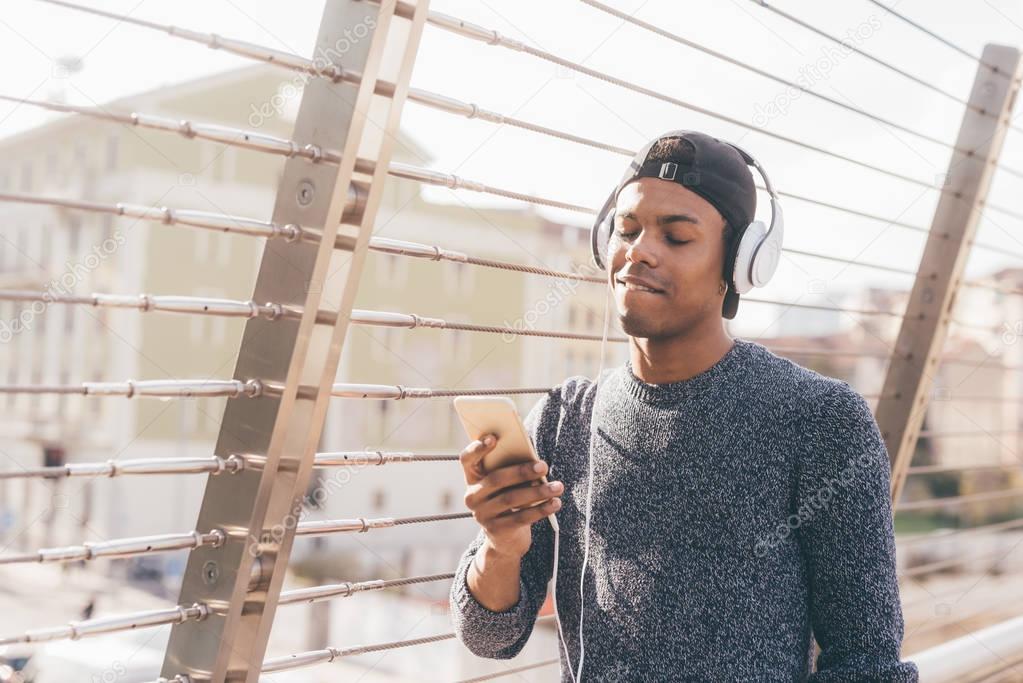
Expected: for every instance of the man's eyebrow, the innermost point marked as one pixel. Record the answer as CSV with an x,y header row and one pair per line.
x,y
668,218
677,218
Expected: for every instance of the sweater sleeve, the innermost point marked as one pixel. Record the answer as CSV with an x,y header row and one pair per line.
x,y
847,538
502,635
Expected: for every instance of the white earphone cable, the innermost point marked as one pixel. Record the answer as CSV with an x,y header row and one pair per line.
x,y
577,677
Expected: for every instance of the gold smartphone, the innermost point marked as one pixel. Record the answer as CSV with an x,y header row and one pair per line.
x,y
481,415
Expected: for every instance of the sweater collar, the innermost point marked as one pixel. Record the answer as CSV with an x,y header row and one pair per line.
x,y
672,392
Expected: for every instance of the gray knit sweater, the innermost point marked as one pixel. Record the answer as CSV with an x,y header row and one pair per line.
x,y
736,516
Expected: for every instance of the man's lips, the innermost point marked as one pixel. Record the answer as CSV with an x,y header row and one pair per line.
x,y
633,283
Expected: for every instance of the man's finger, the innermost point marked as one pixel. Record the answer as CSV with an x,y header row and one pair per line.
x,y
514,520
471,457
515,498
523,474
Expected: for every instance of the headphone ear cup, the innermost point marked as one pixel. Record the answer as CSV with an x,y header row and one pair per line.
x,y
600,233
768,255
765,261
600,236
742,272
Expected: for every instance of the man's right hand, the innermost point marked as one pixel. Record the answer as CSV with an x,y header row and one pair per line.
x,y
491,496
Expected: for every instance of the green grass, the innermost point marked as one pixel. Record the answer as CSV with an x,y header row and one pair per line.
x,y
921,523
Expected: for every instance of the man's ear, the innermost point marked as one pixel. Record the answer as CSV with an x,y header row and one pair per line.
x,y
727,242
730,305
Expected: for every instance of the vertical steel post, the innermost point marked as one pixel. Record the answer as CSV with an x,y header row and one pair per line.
x,y
908,383
294,362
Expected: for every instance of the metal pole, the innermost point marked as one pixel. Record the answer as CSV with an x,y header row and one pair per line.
x,y
977,656
908,384
258,508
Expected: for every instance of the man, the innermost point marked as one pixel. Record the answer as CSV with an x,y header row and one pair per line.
x,y
740,502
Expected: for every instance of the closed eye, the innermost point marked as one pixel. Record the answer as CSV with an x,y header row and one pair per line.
x,y
629,235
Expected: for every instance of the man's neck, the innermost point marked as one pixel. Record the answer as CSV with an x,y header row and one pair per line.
x,y
660,361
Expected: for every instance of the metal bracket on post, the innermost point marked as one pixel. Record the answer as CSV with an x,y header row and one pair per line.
x,y
277,431
908,383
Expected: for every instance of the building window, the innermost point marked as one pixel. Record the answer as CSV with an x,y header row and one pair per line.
x,y
189,417
12,378
63,380
26,177
224,241
392,270
54,456
383,417
219,329
195,327
217,161
378,344
81,157
201,242
45,241
112,144
461,341
96,406
74,237
458,338
37,378
458,277
456,433
108,229
466,276
86,511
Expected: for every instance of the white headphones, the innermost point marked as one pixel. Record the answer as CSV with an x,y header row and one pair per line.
x,y
756,251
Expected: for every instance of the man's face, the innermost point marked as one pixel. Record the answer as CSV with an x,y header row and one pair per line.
x,y
672,239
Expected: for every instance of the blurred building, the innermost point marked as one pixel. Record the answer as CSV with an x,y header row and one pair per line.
x,y
46,249
971,419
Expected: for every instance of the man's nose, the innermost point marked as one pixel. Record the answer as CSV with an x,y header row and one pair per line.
x,y
641,249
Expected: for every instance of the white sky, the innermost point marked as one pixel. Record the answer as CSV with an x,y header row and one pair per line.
x,y
122,59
